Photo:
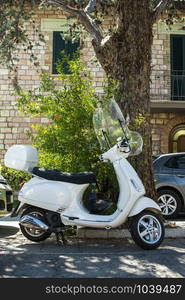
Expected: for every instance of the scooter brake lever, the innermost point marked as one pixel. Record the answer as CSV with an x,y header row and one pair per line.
x,y
96,159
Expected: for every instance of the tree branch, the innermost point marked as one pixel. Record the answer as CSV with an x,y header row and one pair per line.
x,y
90,7
159,9
64,6
82,16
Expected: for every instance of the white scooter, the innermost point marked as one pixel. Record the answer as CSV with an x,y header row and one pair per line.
x,y
52,199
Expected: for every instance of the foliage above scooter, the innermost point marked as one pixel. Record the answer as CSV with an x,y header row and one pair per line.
x,y
110,125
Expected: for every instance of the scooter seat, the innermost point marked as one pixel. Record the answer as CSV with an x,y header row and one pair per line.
x,y
77,178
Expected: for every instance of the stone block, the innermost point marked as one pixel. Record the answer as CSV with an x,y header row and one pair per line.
x,y
159,121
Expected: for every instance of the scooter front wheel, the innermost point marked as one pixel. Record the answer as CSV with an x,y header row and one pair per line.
x,y
147,230
34,235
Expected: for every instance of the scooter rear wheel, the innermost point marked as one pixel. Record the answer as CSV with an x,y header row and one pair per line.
x,y
147,230
34,235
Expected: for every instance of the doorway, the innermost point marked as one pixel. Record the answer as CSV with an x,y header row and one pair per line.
x,y
177,139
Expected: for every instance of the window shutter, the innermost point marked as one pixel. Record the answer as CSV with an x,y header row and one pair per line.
x,y
178,67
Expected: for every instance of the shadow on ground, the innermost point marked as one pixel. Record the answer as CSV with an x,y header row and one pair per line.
x,y
6,231
87,258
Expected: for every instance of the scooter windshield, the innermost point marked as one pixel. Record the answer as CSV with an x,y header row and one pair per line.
x,y
110,125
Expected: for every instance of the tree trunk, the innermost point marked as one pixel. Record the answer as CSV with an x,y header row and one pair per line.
x,y
126,56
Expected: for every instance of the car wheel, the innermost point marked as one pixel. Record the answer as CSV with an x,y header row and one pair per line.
x,y
170,203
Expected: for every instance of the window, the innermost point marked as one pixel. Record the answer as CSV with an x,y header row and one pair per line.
x,y
59,44
180,162
178,67
177,162
171,163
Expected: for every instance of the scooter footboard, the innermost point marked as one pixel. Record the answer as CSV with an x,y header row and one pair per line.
x,y
142,204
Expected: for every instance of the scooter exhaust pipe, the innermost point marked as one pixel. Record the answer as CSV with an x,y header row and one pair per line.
x,y
33,223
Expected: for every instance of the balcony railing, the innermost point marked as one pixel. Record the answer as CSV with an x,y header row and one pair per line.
x,y
165,86
178,85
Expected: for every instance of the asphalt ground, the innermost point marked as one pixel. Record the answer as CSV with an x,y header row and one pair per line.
x,y
84,258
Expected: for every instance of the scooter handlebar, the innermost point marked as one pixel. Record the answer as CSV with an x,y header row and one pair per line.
x,y
96,159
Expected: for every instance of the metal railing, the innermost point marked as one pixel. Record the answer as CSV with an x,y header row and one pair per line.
x,y
178,85
165,86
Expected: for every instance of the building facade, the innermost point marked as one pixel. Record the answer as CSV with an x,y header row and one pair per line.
x,y
168,88
167,82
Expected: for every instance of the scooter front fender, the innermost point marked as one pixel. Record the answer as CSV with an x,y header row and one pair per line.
x,y
142,204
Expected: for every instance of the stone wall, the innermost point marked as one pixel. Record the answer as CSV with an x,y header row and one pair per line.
x,y
13,125
163,123
160,76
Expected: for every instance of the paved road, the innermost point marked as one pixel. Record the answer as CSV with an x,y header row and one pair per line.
x,y
93,258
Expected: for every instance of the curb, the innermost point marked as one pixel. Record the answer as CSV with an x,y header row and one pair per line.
x,y
177,231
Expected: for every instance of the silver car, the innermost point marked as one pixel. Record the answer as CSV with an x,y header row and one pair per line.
x,y
169,173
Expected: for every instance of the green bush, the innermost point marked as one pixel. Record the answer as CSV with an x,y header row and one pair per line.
x,y
14,178
67,142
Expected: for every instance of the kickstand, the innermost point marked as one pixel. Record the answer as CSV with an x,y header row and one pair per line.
x,y
60,238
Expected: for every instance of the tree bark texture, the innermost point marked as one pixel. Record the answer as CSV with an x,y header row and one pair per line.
x,y
126,56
